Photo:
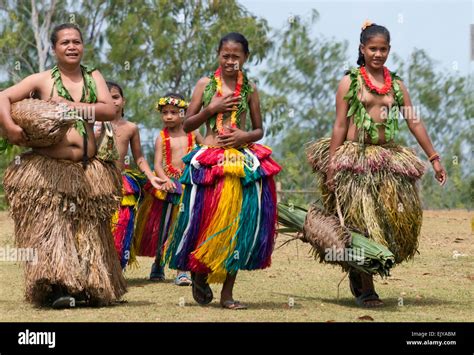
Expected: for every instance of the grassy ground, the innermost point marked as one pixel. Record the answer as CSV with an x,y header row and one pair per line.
x,y
436,286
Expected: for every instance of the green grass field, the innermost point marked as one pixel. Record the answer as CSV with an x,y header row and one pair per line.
x,y
436,287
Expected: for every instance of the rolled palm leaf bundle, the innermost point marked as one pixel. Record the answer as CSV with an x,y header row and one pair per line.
x,y
333,243
44,123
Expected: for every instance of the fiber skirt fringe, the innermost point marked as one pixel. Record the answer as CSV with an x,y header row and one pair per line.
x,y
228,212
155,217
64,212
377,192
123,220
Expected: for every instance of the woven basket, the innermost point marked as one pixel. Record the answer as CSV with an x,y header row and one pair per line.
x,y
44,123
324,232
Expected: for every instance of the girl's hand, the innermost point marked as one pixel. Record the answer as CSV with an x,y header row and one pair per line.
x,y
156,182
234,138
440,173
221,104
167,185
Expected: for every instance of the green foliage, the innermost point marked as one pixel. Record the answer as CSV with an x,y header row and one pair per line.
x,y
301,81
170,45
445,102
156,46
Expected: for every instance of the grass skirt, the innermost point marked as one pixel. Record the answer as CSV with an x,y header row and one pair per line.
x,y
64,212
123,220
228,215
377,192
155,217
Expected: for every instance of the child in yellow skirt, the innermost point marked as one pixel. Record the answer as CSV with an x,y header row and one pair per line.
x,y
160,206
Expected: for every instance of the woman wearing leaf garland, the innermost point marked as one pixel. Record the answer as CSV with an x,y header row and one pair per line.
x,y
62,206
228,216
367,176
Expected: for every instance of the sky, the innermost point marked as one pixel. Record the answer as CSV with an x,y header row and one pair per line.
x,y
441,28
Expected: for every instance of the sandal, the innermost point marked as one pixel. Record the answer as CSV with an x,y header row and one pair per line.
x,y
231,304
157,273
183,280
362,300
64,302
202,292
61,299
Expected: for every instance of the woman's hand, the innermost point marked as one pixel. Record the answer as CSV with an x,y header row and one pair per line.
x,y
440,173
330,183
234,137
221,104
59,100
15,135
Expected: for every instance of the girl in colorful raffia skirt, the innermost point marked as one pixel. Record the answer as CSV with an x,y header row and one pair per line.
x,y
227,222
159,208
364,174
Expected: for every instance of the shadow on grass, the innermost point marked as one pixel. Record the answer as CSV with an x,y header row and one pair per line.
x,y
254,306
132,303
141,282
392,304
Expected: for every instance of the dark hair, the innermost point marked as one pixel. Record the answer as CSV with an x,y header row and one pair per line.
x,y
63,26
369,32
174,95
235,37
112,84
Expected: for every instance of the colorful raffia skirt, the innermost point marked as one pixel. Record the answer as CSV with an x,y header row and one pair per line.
x,y
123,221
228,215
375,186
63,212
155,217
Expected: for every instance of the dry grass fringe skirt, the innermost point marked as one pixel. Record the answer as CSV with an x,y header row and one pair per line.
x,y
64,212
377,191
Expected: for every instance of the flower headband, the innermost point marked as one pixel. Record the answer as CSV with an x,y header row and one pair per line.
x,y
163,101
367,23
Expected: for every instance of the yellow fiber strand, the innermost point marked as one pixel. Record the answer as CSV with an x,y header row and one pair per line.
x,y
234,162
114,221
129,200
215,251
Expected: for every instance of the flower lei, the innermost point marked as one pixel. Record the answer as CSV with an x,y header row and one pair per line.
x,y
387,78
362,119
237,90
163,101
168,167
242,88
